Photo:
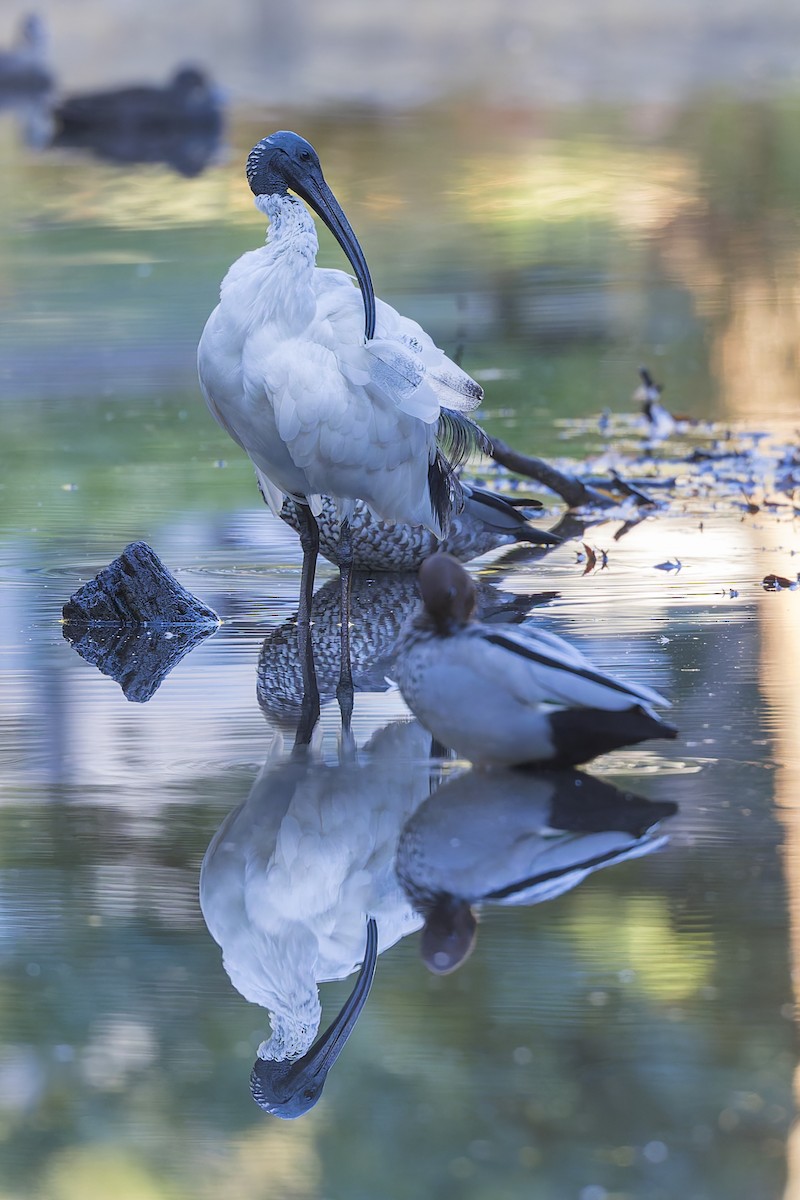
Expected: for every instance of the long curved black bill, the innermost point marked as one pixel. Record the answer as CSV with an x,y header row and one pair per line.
x,y
289,1089
315,191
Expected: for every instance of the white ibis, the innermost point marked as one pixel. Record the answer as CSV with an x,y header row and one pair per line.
x,y
504,696
330,392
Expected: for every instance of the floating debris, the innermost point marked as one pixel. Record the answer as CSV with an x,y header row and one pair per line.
x,y
777,583
669,565
749,505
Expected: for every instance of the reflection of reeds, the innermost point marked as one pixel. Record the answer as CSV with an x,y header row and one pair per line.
x,y
752,306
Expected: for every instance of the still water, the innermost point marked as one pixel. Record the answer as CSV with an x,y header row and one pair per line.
x,y
631,1035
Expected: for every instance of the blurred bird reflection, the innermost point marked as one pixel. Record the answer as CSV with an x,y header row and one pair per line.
x,y
26,82
513,837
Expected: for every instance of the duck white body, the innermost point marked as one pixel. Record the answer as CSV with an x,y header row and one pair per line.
x,y
504,696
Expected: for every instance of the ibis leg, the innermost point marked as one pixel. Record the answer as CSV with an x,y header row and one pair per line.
x,y
309,540
309,708
344,690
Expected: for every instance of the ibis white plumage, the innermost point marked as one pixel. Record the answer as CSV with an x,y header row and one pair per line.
x,y
330,391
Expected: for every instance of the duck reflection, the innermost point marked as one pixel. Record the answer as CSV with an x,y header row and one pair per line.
x,y
511,837
382,604
287,884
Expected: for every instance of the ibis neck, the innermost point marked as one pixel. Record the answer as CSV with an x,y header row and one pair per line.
x,y
276,283
291,228
292,1035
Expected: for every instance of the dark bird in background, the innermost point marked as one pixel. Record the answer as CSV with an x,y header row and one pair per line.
x,y
179,124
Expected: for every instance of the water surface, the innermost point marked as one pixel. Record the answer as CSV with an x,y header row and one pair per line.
x,y
632,1037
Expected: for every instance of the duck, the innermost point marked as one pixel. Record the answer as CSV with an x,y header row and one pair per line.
x,y
486,522
188,99
505,696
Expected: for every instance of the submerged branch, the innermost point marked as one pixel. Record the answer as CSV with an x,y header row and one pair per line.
x,y
573,491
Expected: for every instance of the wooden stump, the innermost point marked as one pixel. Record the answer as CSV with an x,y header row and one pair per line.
x,y
135,622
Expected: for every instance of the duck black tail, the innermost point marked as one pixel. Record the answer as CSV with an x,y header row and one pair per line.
x,y
580,734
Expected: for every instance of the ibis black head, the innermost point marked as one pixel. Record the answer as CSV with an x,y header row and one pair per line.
x,y
285,160
290,1088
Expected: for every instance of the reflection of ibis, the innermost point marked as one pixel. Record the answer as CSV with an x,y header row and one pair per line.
x,y
513,837
287,883
329,392
383,603
290,1087
505,696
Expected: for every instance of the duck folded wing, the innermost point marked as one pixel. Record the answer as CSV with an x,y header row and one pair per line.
x,y
542,669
